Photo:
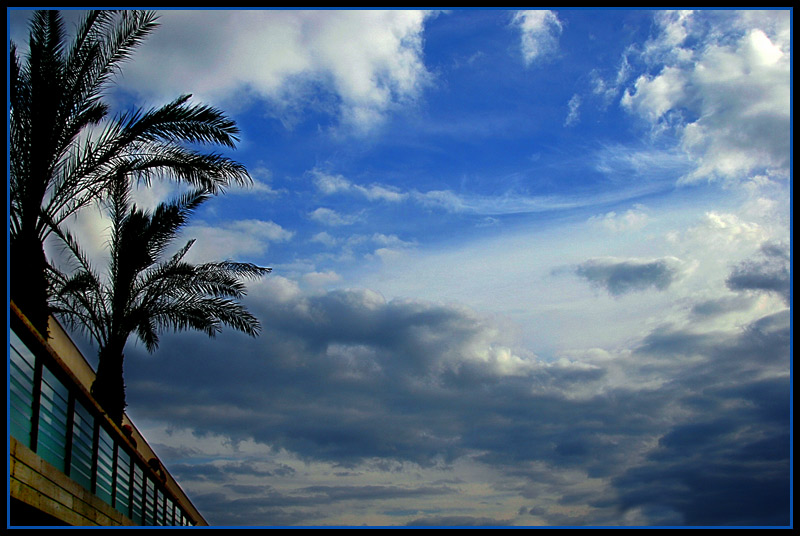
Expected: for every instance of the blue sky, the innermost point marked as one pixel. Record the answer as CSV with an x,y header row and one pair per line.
x,y
530,268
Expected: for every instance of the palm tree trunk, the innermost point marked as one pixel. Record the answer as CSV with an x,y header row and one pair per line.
x,y
108,388
28,280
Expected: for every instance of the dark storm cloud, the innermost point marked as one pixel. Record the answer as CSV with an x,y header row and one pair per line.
x,y
621,277
309,382
769,272
718,472
729,463
350,379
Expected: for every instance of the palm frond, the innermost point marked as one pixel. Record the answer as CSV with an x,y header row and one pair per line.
x,y
80,297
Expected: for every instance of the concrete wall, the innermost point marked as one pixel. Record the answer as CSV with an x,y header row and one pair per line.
x,y
40,485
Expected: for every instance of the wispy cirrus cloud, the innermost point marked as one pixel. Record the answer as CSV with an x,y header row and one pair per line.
x,y
511,202
573,114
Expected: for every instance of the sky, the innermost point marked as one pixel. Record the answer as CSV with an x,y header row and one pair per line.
x,y
529,268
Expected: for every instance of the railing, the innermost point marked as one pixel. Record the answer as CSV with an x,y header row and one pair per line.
x,y
52,414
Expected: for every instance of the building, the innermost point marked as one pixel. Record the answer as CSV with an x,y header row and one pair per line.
x,y
69,463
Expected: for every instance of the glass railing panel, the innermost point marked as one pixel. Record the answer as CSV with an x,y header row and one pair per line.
x,y
137,495
169,512
160,519
82,442
20,390
122,483
52,437
105,465
149,502
63,434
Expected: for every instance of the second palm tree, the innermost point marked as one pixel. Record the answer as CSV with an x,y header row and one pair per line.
x,y
146,290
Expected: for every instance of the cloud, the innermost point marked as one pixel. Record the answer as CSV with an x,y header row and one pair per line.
x,y
353,342
608,91
458,521
540,31
365,63
620,277
722,83
364,246
631,220
235,239
330,217
258,189
573,115
332,184
509,203
768,273
744,379
613,161
325,238
721,306
726,231
321,279
348,382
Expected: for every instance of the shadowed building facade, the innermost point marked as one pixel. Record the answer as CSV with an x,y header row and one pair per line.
x,y
69,463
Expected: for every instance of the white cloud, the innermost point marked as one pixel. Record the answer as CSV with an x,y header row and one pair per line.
x,y
237,240
321,279
654,96
325,239
722,230
362,246
726,91
608,90
261,186
366,62
327,216
630,220
540,31
573,114
330,184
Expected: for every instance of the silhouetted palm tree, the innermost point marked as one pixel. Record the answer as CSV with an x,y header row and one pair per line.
x,y
63,151
145,293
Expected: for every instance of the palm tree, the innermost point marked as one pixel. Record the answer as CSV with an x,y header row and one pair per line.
x,y
64,150
145,292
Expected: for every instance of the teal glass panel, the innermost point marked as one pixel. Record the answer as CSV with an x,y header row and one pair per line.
x,y
137,495
122,483
20,390
52,439
149,502
82,441
169,513
105,465
160,520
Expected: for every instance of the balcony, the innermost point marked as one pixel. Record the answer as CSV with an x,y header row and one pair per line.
x,y
70,464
